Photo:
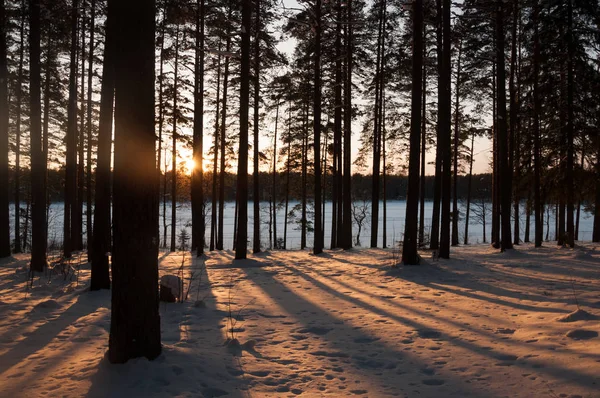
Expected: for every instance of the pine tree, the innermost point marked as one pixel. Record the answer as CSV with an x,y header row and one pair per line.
x,y
242,175
100,278
4,187
135,320
409,250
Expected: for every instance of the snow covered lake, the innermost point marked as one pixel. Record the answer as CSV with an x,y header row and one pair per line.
x,y
396,211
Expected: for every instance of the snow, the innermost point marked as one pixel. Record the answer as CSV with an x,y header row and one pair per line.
x,y
484,324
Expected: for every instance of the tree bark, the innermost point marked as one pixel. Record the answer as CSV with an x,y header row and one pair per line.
x,y
318,234
570,120
446,131
409,251
468,210
88,181
4,204
242,174
38,181
174,135
19,103
135,319
198,221
256,171
347,179
536,129
505,175
100,278
223,139
213,217
71,140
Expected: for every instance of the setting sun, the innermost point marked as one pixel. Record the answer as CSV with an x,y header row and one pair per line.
x,y
189,165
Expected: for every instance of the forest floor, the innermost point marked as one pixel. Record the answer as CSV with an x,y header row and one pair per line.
x,y
484,324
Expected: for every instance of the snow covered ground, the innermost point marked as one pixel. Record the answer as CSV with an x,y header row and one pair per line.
x,y
483,324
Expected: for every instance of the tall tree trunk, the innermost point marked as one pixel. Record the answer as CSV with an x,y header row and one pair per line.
x,y
562,167
446,131
318,234
38,181
384,191
88,181
161,119
375,177
274,177
223,139
570,121
174,136
536,129
347,181
495,178
470,184
505,176
213,217
102,246
409,251
77,209
596,231
437,189
242,175
4,204
336,218
135,320
514,144
71,141
578,211
423,146
256,171
455,213
287,183
19,99
304,176
198,209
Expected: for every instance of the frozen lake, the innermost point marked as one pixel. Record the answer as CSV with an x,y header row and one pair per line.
x,y
395,224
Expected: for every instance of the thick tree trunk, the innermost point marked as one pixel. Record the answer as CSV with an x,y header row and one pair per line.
x,y
4,204
102,246
198,209
242,174
409,251
135,320
304,177
514,144
38,181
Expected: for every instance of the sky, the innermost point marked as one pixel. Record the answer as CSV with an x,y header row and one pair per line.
x,y
482,147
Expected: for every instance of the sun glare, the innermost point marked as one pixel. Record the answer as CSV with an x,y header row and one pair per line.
x,y
189,165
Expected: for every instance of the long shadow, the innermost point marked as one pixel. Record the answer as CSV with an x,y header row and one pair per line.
x,y
387,314
194,360
350,342
38,340
556,371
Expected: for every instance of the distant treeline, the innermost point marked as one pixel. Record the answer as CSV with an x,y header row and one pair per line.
x,y
361,185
